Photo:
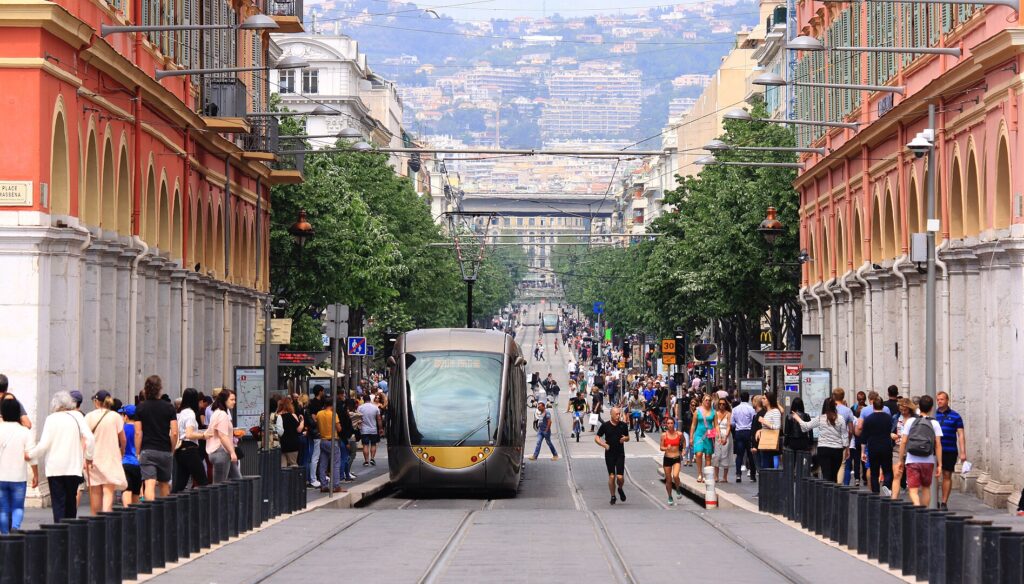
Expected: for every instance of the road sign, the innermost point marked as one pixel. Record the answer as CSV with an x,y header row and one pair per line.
x,y
668,358
326,340
599,308
280,331
668,346
357,346
336,313
369,351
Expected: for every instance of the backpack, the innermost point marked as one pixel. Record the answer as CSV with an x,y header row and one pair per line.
x,y
921,438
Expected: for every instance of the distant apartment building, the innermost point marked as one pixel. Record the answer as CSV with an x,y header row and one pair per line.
x,y
597,101
680,106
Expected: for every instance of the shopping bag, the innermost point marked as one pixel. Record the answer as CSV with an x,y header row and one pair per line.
x,y
594,420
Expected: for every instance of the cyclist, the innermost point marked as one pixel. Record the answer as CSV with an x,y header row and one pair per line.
x,y
577,407
635,403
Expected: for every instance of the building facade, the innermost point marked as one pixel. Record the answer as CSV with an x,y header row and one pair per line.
x,y
861,203
132,220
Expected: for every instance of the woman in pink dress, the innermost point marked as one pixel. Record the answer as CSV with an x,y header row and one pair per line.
x,y
105,474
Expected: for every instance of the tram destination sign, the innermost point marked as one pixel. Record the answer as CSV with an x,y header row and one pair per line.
x,y
300,358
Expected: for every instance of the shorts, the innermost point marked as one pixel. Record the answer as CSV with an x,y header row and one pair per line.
x,y
616,463
919,474
133,473
949,458
370,439
669,460
156,464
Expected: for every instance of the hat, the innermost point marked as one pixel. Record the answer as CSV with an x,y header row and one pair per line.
x,y
128,410
77,396
101,395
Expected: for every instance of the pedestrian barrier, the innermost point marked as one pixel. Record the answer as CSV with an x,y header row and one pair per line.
x,y
934,546
132,541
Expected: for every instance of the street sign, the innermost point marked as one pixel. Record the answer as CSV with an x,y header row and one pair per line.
x,y
668,346
668,358
249,393
300,358
599,308
326,340
774,358
357,346
280,331
336,313
792,377
369,351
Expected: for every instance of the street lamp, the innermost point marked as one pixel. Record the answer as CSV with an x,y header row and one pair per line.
x,y
719,146
301,231
743,115
776,80
771,227
809,43
254,22
289,62
320,110
712,161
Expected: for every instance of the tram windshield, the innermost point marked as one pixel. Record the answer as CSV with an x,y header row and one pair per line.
x,y
453,397
550,320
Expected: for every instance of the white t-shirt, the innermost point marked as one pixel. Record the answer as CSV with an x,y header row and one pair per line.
x,y
911,459
369,411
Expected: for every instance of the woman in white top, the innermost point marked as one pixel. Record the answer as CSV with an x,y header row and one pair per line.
x,y
188,457
67,444
106,474
833,439
771,420
15,443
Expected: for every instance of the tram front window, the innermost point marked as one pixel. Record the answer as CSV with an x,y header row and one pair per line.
x,y
453,397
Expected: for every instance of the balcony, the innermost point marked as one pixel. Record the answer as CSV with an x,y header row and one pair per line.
x,y
262,140
287,169
287,14
224,105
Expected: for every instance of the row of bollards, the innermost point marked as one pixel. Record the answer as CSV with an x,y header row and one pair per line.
x,y
131,541
935,546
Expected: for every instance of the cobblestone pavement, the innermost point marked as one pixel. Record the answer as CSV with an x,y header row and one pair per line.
x,y
559,528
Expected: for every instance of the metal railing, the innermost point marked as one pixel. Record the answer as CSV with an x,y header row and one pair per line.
x,y
294,161
224,97
282,8
262,136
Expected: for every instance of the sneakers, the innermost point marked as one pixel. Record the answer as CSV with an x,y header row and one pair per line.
x,y
942,507
373,462
365,463
315,484
885,491
671,502
555,457
612,500
622,495
531,458
679,490
353,475
739,479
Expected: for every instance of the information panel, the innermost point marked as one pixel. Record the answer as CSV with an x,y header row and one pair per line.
x,y
815,387
249,391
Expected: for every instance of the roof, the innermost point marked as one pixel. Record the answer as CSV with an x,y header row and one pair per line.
x,y
455,339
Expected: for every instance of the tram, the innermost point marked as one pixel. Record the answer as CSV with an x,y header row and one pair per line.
x,y
549,323
457,411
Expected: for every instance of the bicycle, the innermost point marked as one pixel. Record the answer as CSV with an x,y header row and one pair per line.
x,y
577,425
651,421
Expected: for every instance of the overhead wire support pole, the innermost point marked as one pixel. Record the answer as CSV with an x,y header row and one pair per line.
x,y
500,151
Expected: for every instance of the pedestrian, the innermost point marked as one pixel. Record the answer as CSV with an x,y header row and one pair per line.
x,y
16,443
893,403
130,459
846,413
771,421
23,418
544,431
722,458
188,456
612,436
354,442
686,423
671,445
917,452
833,439
873,432
796,438
370,431
743,419
854,467
313,437
105,476
907,410
220,444
331,446
289,427
954,443
68,446
159,436
703,445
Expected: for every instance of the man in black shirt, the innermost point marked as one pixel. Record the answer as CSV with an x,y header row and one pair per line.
x,y
874,433
611,436
893,402
577,406
159,438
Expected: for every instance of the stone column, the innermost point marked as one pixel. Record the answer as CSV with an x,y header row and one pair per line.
x,y
89,315
122,374
108,314
174,382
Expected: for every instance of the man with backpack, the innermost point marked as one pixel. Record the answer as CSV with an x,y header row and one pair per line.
x,y
920,442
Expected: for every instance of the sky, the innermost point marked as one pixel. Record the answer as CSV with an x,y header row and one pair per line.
x,y
486,9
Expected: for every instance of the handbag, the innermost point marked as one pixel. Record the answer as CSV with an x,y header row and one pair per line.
x,y
768,440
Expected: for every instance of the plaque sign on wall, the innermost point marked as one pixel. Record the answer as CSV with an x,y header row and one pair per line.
x,y
16,193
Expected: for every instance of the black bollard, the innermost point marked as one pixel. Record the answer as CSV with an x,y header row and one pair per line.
x,y
973,530
210,509
852,525
881,529
56,552
78,550
129,543
184,516
937,546
842,515
816,515
144,538
990,535
803,486
194,515
222,511
895,534
1011,570
909,561
12,559
159,531
35,556
923,542
244,505
203,495
863,533
231,507
257,501
954,559
96,564
874,505
170,529
112,547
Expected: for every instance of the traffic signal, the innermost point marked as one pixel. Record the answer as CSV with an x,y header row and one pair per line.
x,y
680,347
390,338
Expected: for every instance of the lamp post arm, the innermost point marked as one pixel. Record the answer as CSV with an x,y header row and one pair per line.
x,y
889,88
108,29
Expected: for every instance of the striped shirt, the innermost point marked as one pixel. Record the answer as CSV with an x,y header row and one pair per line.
x,y
950,422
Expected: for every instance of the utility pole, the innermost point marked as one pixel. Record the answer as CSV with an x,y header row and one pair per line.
x,y
932,227
268,313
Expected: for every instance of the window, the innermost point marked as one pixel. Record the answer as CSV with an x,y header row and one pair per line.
x,y
286,83
453,397
310,81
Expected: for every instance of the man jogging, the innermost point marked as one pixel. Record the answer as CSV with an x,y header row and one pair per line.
x,y
612,435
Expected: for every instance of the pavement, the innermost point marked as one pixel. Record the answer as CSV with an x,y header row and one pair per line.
x,y
559,528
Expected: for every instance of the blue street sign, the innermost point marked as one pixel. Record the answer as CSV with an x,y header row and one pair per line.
x,y
357,346
599,308
326,340
369,351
